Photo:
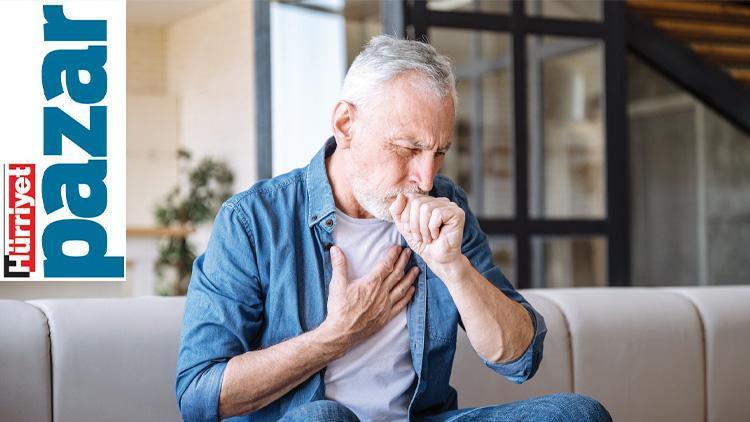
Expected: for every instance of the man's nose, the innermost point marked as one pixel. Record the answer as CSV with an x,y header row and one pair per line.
x,y
423,172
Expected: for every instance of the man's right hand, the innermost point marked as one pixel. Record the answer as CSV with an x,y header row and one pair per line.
x,y
359,308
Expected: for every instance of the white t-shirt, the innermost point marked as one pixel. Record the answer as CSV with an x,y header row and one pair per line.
x,y
374,378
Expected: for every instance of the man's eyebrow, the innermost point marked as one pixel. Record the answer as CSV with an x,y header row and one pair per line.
x,y
446,148
416,143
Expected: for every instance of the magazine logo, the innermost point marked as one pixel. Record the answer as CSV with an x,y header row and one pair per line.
x,y
62,153
63,79
20,257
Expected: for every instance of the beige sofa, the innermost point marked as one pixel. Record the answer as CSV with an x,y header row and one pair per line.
x,y
646,354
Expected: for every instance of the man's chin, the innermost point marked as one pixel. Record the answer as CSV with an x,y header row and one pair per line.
x,y
382,212
387,218
384,216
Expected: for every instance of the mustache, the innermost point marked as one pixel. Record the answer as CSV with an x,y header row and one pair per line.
x,y
391,194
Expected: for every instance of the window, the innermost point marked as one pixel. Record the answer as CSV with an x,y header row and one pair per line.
x,y
543,161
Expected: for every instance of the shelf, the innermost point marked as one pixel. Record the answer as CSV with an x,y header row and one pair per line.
x,y
159,231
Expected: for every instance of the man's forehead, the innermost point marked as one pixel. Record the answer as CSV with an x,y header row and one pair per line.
x,y
399,93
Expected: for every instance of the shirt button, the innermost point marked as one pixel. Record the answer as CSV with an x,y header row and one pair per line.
x,y
329,222
313,218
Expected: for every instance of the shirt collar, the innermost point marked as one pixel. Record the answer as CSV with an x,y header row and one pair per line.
x,y
319,194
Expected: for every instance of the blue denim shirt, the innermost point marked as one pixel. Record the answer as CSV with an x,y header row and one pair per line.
x,y
264,278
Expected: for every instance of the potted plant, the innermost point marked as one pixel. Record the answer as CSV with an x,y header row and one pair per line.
x,y
208,185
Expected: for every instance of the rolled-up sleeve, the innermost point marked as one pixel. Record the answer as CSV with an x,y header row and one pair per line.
x,y
223,314
476,248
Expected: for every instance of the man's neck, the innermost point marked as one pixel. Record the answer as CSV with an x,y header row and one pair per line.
x,y
338,177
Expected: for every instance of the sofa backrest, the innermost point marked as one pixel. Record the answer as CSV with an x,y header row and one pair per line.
x,y
25,387
479,386
114,359
645,354
725,316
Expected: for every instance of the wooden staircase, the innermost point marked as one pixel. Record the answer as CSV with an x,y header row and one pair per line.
x,y
717,31
702,46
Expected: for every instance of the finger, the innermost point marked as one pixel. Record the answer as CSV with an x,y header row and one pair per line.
x,y
451,212
411,238
400,304
403,228
403,284
414,206
338,264
397,207
398,271
425,213
385,266
403,219
435,222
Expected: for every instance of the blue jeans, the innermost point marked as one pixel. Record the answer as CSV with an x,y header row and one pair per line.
x,y
564,407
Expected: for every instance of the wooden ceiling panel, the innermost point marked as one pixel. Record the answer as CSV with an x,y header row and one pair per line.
x,y
717,31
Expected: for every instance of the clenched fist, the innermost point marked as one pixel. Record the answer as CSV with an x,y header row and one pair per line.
x,y
433,227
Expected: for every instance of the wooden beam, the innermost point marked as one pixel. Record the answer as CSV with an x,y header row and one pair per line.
x,y
698,10
742,75
723,54
159,231
680,63
702,31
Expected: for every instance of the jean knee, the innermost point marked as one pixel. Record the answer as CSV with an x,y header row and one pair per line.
x,y
582,408
322,411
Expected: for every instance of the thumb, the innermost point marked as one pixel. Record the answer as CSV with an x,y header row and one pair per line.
x,y
397,207
338,262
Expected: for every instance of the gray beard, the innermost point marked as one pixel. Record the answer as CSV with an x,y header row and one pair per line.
x,y
373,202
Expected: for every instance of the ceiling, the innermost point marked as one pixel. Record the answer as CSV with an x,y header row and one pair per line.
x,y
717,31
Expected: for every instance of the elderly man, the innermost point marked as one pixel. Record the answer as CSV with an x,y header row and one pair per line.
x,y
334,292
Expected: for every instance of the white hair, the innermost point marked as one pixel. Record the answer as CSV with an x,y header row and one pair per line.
x,y
385,58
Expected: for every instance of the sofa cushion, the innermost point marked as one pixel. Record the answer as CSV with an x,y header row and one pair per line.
x,y
477,385
725,312
638,351
114,359
25,389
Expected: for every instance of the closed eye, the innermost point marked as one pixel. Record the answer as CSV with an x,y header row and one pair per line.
x,y
414,151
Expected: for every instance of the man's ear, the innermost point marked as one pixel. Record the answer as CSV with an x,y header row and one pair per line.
x,y
341,123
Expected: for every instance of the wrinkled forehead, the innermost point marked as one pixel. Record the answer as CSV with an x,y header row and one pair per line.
x,y
416,115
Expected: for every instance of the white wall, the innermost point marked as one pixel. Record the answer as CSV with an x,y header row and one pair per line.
x,y
145,59
210,69
151,153
152,125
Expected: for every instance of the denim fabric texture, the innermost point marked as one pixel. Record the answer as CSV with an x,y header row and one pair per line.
x,y
566,407
320,411
563,407
264,278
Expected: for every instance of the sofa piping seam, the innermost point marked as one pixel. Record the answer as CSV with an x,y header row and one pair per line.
x,y
698,312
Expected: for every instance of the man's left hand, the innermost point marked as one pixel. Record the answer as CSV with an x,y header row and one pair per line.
x,y
433,227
